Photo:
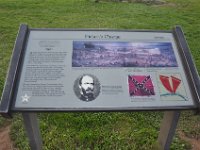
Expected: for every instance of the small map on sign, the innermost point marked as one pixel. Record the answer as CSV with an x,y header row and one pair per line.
x,y
171,87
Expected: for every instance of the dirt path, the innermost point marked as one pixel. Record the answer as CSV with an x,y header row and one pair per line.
x,y
5,141
194,142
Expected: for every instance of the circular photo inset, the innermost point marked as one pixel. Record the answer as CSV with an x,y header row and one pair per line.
x,y
87,87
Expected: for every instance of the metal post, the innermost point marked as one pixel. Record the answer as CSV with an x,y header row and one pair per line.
x,y
168,128
32,130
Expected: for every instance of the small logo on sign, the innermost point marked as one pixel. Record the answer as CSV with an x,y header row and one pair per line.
x,y
25,98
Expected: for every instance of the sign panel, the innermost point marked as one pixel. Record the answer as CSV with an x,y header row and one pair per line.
x,y
102,70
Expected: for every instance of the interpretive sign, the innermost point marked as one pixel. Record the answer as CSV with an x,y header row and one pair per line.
x,y
97,70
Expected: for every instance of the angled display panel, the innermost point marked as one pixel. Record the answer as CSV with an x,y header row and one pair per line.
x,y
102,70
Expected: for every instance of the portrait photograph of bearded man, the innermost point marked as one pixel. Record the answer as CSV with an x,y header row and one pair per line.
x,y
87,87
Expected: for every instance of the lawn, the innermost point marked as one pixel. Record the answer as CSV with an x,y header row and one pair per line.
x,y
136,130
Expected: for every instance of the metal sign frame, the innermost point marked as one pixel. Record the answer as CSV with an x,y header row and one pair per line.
x,y
31,124
11,85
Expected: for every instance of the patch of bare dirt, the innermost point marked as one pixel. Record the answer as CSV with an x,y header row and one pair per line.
x,y
5,141
193,141
166,5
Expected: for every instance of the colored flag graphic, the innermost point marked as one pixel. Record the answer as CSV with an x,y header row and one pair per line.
x,y
166,83
171,87
140,85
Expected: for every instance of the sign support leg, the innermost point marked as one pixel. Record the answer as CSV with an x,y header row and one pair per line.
x,y
32,130
168,128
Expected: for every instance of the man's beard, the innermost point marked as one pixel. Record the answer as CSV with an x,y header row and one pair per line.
x,y
88,93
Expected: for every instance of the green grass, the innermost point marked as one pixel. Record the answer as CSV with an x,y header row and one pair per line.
x,y
137,130
96,130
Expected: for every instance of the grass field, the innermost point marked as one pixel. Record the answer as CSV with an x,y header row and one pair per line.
x,y
137,130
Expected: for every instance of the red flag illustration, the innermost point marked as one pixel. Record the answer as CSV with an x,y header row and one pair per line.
x,y
165,82
175,83
140,85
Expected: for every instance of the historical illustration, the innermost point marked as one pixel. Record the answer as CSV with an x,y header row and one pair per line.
x,y
87,87
123,54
